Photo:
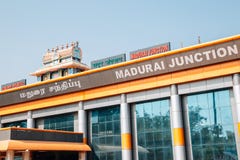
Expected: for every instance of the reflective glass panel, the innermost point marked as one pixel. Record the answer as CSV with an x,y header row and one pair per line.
x,y
22,124
211,126
63,122
153,130
106,136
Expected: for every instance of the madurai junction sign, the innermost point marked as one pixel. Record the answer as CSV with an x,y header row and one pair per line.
x,y
166,63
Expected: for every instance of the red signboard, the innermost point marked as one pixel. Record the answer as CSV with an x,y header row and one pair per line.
x,y
150,51
14,84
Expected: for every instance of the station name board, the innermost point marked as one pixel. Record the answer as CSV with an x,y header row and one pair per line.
x,y
150,51
192,58
13,84
108,61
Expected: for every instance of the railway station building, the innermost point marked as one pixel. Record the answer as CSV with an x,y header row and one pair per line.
x,y
182,104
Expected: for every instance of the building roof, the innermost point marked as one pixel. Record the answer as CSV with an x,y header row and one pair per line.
x,y
70,64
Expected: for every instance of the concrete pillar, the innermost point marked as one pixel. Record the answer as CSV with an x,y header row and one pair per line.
x,y
26,155
236,93
177,125
126,135
82,127
30,120
81,155
10,155
0,122
82,121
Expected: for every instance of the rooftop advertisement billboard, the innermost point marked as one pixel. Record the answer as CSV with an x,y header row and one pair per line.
x,y
150,51
13,84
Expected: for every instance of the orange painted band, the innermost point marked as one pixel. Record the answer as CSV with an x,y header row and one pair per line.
x,y
126,141
239,129
85,140
22,145
178,136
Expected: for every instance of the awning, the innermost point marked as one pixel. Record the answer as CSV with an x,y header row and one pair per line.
x,y
42,146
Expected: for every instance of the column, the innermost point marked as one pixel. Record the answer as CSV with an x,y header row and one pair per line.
x,y
126,135
30,124
177,125
26,155
82,127
81,155
30,120
10,155
0,122
236,92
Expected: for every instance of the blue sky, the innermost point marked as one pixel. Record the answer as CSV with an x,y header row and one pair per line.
x,y
105,28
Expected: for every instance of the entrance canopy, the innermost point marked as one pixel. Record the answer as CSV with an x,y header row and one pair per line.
x,y
23,145
23,139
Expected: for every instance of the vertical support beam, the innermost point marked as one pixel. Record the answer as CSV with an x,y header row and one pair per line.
x,y
0,122
10,155
126,135
26,155
236,93
82,121
81,155
134,132
177,125
82,127
30,120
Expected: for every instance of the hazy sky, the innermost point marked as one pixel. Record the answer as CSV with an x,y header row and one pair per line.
x,y
105,28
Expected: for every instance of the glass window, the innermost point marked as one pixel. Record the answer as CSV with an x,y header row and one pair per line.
x,y
211,126
54,75
60,122
22,124
45,77
153,130
65,72
106,136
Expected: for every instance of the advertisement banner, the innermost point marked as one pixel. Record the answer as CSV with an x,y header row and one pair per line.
x,y
13,84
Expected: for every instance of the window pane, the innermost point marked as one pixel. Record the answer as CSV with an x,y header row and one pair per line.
x,y
153,130
22,124
211,125
60,122
106,143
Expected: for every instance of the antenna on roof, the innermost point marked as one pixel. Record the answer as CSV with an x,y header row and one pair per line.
x,y
181,44
199,40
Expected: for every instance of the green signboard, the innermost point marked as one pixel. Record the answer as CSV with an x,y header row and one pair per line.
x,y
108,61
